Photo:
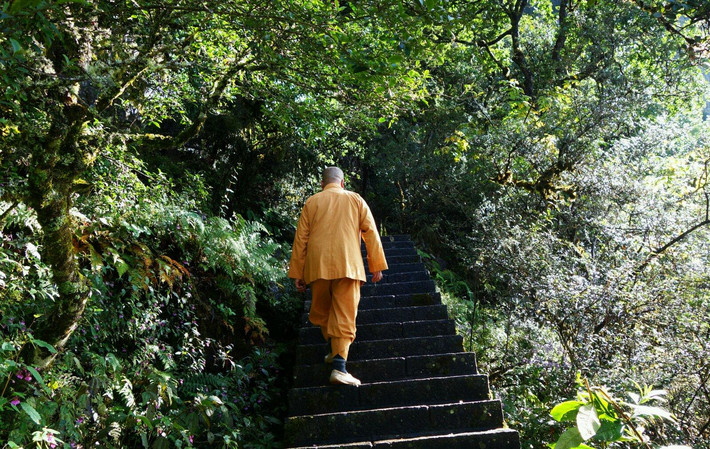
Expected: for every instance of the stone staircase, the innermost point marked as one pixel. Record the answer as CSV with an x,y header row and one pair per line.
x,y
419,389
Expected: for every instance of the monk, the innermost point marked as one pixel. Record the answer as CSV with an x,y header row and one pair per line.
x,y
326,256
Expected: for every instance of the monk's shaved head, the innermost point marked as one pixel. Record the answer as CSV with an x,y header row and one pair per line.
x,y
332,174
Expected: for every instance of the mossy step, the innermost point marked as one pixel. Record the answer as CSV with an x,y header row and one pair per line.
x,y
391,369
393,423
406,259
394,251
403,300
394,301
375,349
487,439
401,267
388,315
436,390
383,331
395,238
397,288
409,276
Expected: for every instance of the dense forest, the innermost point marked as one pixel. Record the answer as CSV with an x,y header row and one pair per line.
x,y
551,159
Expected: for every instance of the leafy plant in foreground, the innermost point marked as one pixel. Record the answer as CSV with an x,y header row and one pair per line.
x,y
601,418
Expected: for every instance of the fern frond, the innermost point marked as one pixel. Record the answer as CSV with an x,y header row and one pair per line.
x,y
126,392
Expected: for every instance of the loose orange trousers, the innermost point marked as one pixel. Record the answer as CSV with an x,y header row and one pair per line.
x,y
334,309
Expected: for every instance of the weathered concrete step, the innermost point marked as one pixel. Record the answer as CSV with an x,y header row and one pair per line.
x,y
410,276
395,238
397,288
391,369
400,267
387,246
391,423
382,331
437,390
395,244
394,301
393,260
401,314
405,300
487,439
394,251
377,349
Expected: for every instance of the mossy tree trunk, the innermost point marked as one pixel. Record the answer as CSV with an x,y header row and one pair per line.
x,y
57,163
57,160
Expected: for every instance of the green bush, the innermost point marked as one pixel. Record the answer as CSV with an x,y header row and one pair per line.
x,y
171,350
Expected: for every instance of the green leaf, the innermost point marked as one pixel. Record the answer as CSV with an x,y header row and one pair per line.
x,y
19,5
97,262
122,267
569,439
587,421
15,45
609,430
36,375
113,361
566,411
148,423
44,344
644,410
31,412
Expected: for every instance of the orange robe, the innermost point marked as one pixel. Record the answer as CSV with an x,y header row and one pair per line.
x,y
327,243
326,255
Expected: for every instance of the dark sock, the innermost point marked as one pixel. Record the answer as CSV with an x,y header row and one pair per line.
x,y
339,363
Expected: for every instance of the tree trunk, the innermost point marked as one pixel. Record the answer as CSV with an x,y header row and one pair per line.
x,y
56,163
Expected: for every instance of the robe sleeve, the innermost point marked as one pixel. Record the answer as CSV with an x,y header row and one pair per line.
x,y
300,243
375,253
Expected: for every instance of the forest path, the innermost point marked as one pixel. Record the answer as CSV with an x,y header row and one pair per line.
x,y
419,389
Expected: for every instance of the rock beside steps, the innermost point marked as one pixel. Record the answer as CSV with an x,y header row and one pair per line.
x,y
419,389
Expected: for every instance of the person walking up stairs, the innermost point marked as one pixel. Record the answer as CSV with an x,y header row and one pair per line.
x,y
419,389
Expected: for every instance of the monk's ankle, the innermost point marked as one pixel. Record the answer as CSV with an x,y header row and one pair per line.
x,y
339,363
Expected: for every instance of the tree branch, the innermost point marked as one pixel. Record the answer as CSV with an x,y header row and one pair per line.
x,y
215,96
658,251
561,33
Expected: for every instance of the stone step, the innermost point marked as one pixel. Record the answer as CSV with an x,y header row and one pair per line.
x,y
391,369
436,390
396,244
394,301
381,331
406,300
377,349
394,251
400,267
408,276
491,439
406,259
395,314
395,238
397,288
391,423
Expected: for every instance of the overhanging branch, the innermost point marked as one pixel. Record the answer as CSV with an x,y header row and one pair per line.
x,y
660,250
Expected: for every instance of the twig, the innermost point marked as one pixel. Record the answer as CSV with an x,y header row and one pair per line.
x,y
621,413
